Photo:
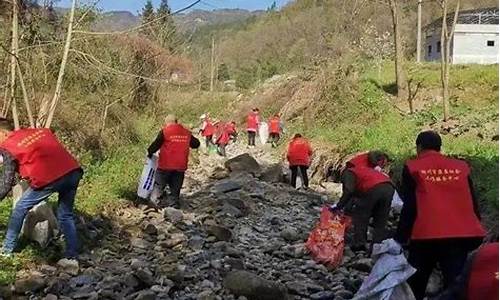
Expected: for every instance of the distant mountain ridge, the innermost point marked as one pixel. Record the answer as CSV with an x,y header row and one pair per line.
x,y
122,20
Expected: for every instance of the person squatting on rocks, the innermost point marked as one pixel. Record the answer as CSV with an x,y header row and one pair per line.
x,y
440,219
207,129
367,192
174,142
253,120
38,156
299,158
275,128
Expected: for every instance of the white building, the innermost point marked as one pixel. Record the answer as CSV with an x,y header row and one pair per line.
x,y
475,39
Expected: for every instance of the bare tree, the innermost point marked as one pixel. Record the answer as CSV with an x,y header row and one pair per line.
x,y
446,38
13,63
401,77
58,90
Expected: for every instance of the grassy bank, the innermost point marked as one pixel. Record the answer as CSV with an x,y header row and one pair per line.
x,y
372,122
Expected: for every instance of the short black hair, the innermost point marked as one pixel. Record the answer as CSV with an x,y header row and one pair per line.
x,y
297,135
429,140
376,156
6,124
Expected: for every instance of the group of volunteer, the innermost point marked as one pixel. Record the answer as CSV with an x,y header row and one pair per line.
x,y
217,133
439,223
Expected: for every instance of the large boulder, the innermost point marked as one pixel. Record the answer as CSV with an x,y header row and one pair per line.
x,y
40,224
253,287
244,163
273,174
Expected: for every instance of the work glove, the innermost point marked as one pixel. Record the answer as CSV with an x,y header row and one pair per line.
x,y
335,209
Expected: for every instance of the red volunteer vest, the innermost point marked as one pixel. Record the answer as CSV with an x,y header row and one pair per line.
x,y
274,125
42,159
360,160
444,200
252,122
174,152
299,152
367,178
483,277
209,128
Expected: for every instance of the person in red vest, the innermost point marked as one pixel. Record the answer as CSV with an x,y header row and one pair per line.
x,y
233,132
275,129
224,133
440,219
479,278
299,158
368,192
252,126
174,142
38,156
207,129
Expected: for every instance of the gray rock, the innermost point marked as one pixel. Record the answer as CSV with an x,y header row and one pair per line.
x,y
138,264
206,295
173,215
196,242
221,233
363,265
40,224
243,283
290,234
243,163
146,295
140,243
145,276
324,295
69,266
50,297
32,283
150,229
226,186
273,174
231,211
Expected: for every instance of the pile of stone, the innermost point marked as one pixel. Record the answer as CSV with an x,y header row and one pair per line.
x,y
240,236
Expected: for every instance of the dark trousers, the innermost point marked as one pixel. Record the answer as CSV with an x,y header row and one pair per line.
x,y
376,204
251,138
450,254
66,187
275,138
303,174
222,149
174,180
208,141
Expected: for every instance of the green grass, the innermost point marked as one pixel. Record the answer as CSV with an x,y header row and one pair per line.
x,y
370,122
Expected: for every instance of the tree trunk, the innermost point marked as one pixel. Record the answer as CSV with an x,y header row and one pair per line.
x,y
14,52
401,81
446,39
57,93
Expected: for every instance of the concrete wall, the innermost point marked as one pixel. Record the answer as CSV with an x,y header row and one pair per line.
x,y
469,44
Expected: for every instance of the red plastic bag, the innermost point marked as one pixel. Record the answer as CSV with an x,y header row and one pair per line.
x,y
326,241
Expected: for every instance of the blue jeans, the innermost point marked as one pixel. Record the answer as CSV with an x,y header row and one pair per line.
x,y
66,187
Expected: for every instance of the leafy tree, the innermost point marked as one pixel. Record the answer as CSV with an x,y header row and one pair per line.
x,y
148,13
167,35
273,7
223,73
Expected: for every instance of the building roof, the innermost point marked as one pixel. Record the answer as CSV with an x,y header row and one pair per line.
x,y
472,16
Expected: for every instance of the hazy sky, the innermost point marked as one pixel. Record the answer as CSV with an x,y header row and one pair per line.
x,y
135,6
